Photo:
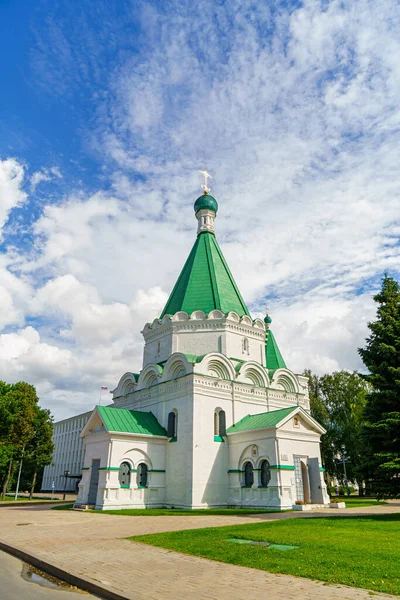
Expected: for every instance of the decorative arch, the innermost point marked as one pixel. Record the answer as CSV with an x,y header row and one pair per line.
x,y
150,376
217,365
176,366
135,456
126,385
216,314
247,455
285,380
259,324
245,320
216,368
198,315
181,315
253,373
233,316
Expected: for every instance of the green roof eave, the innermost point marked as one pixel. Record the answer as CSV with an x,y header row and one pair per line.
x,y
262,420
205,282
122,420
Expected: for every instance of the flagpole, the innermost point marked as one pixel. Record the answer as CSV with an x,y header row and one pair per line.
x,y
101,391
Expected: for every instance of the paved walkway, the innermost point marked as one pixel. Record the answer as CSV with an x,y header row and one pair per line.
x,y
90,545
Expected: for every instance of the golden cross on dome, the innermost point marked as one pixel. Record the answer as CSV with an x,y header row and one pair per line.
x,y
207,176
266,310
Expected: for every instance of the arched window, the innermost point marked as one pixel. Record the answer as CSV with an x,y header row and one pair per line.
x,y
216,423
124,474
219,422
245,346
172,428
265,473
248,474
142,475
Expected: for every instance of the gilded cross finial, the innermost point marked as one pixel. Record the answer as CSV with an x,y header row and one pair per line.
x,y
266,310
204,186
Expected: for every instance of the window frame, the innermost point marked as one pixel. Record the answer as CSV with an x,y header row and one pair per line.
x,y
219,425
140,468
248,469
265,483
121,485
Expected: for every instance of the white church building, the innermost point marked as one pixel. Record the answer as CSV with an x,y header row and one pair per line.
x,y
214,418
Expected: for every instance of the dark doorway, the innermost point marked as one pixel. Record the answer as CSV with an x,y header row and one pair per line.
x,y
94,481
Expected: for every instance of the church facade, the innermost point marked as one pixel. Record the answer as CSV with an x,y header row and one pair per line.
x,y
214,418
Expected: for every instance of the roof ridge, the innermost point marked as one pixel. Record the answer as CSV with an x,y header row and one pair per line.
x,y
211,268
230,276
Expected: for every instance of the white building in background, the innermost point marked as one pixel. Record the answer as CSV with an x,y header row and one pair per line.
x,y
214,418
68,454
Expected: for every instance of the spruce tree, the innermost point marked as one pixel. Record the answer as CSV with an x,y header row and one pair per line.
x,y
381,356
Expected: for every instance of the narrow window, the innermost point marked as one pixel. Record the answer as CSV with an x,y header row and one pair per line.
x,y
171,429
248,474
222,423
265,473
124,474
245,345
142,475
216,423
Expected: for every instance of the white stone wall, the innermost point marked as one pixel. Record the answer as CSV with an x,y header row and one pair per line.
x,y
161,399
68,454
200,471
199,334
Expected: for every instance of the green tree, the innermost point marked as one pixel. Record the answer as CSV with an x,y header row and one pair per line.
x,y
381,356
337,402
18,404
39,451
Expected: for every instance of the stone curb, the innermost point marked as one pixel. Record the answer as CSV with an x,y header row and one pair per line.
x,y
77,581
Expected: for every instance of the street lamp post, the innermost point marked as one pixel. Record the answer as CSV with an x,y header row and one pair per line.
x,y
66,474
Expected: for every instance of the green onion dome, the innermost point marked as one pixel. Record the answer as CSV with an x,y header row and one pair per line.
x,y
268,320
205,202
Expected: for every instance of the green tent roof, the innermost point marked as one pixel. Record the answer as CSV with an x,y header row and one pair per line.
x,y
268,419
130,421
205,282
273,356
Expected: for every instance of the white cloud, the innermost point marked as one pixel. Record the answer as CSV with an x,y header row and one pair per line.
x,y
299,128
11,192
45,175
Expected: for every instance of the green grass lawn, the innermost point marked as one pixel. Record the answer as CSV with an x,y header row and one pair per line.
x,y
171,512
25,499
356,551
354,501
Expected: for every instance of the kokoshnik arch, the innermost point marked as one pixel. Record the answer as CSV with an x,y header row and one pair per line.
x,y
214,418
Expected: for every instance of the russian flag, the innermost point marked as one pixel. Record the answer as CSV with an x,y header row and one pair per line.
x,y
104,387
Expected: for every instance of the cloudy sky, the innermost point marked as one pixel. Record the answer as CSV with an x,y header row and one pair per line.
x,y
108,109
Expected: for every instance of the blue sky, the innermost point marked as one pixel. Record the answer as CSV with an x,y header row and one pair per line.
x,y
109,109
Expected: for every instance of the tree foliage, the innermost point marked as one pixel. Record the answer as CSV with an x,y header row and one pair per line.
x,y
381,355
337,402
25,431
